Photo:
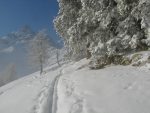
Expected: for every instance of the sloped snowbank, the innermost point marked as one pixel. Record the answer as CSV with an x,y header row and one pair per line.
x,y
31,94
114,89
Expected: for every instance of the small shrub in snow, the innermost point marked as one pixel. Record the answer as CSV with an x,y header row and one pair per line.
x,y
98,63
126,61
136,57
140,60
148,60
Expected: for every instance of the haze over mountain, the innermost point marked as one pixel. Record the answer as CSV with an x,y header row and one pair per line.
x,y
14,50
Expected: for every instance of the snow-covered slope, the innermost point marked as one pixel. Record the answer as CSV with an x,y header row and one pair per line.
x,y
31,94
74,88
114,89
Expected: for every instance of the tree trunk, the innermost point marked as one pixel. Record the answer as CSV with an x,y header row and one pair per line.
x,y
41,66
41,69
57,55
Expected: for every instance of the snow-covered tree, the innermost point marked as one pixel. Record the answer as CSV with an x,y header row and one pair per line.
x,y
104,28
38,49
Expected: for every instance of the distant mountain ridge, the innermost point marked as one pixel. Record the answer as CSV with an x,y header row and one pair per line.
x,y
20,36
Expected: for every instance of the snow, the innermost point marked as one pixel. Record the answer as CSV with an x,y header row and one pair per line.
x,y
30,94
74,88
114,89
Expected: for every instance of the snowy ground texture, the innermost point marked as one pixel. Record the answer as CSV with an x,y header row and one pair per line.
x,y
115,89
74,88
31,94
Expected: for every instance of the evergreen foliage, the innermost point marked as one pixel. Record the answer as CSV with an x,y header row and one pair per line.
x,y
104,27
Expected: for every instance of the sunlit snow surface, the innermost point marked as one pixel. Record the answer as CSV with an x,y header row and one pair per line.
x,y
114,89
28,94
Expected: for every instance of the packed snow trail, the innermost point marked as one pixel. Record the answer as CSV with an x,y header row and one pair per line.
x,y
49,104
47,99
55,95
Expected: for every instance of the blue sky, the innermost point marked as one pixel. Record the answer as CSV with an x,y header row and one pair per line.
x,y
38,14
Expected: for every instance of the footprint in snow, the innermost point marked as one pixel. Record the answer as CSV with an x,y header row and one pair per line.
x,y
77,107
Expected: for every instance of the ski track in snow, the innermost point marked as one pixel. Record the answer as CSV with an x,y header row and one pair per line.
x,y
47,98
